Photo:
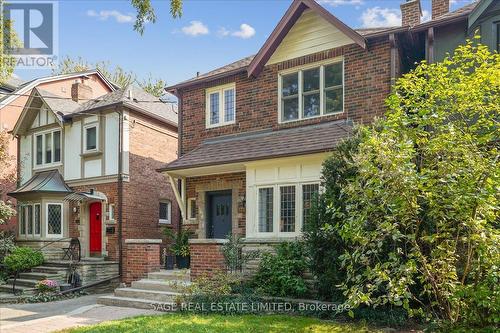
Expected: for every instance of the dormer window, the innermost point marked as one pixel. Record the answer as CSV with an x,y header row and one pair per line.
x,y
91,137
312,91
221,105
47,148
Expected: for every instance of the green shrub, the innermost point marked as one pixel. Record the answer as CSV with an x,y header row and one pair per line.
x,y
23,258
234,256
281,274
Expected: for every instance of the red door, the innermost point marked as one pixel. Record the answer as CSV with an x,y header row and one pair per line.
x,y
95,228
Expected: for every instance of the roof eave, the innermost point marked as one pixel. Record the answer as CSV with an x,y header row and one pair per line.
x,y
174,88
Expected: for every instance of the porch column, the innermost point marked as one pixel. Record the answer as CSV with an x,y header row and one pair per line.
x,y
141,256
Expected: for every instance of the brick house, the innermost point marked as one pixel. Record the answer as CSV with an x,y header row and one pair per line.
x,y
14,94
254,133
87,171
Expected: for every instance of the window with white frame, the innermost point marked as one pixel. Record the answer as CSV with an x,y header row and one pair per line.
x,y
192,209
221,105
311,92
286,212
47,148
29,219
165,212
54,219
91,138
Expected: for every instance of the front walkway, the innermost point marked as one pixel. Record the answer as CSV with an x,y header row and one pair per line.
x,y
54,316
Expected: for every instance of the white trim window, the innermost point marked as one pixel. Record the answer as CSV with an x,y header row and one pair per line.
x,y
192,211
91,138
111,212
29,220
283,209
165,212
47,148
313,91
54,219
220,105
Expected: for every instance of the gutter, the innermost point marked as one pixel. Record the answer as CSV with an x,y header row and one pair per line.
x,y
120,192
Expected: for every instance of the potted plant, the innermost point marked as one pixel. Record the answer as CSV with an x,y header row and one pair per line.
x,y
180,247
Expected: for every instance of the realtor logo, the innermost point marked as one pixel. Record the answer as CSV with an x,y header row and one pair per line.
x,y
34,27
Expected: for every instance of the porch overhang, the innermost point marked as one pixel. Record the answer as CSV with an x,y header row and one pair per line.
x,y
84,197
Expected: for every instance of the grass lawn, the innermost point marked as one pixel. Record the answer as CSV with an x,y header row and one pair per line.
x,y
185,323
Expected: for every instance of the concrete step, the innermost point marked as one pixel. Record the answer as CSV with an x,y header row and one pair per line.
x,y
178,275
57,263
49,269
7,288
137,303
161,285
23,282
153,295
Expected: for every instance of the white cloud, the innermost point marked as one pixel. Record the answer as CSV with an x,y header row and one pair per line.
x,y
223,32
335,3
246,31
426,15
195,28
380,17
105,14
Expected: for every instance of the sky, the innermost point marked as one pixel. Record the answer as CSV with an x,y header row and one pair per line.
x,y
209,34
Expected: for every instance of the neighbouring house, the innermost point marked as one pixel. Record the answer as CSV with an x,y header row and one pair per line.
x,y
14,94
447,30
87,172
254,133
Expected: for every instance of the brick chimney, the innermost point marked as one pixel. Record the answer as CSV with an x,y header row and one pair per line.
x,y
411,11
80,92
439,8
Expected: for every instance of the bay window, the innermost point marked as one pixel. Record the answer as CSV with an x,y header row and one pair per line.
x,y
221,105
47,148
311,92
54,219
29,220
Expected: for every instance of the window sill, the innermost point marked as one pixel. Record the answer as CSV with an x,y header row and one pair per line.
x,y
91,154
326,115
219,125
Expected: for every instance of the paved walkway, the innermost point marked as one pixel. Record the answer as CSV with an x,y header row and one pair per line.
x,y
54,316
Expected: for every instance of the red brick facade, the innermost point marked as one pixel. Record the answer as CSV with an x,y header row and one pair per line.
x,y
410,13
139,260
206,259
366,84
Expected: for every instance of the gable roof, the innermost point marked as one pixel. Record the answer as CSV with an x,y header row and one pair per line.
x,y
133,97
286,23
478,10
27,86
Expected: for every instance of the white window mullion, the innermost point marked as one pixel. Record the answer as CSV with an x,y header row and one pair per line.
x,y
222,116
301,96
321,90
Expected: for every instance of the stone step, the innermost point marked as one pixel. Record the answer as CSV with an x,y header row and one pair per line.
x,y
8,288
159,285
23,282
49,269
137,303
153,295
179,275
57,263
40,276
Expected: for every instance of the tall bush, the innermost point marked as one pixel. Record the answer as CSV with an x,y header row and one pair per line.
x,y
420,216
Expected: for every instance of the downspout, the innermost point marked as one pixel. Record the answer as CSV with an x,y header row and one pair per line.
x,y
430,45
178,94
120,192
392,43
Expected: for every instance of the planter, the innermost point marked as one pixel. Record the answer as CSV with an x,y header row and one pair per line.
x,y
182,262
169,262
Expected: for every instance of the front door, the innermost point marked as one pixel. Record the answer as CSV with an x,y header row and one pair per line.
x,y
219,213
95,228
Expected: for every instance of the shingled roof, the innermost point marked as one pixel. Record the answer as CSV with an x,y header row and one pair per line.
x,y
262,145
133,97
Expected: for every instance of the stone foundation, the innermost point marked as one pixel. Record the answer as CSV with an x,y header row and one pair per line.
x,y
141,256
206,256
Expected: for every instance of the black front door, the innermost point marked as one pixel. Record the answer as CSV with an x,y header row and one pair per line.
x,y
219,214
